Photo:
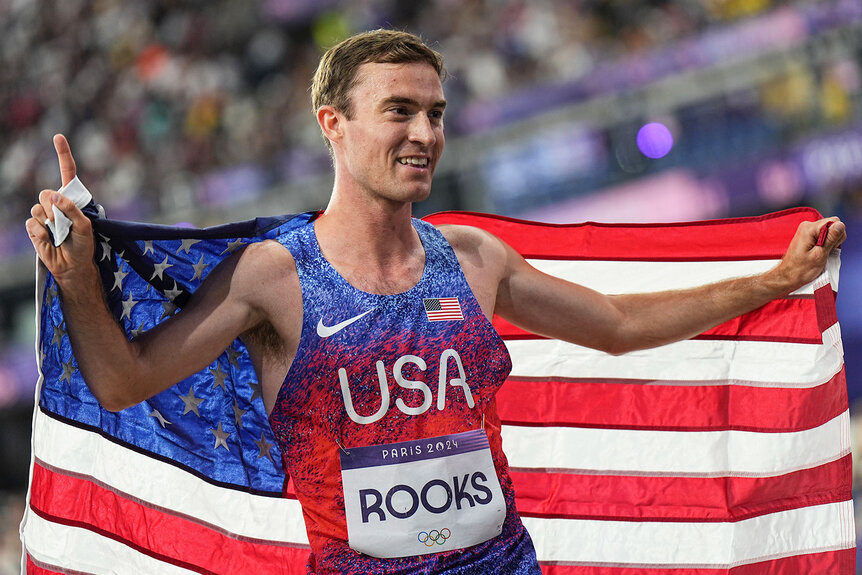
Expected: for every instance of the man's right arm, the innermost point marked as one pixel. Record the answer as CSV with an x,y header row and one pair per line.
x,y
120,372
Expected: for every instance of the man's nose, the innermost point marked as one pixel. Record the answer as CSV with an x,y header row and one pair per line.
x,y
421,130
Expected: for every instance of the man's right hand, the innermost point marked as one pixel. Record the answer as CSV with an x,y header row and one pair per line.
x,y
75,255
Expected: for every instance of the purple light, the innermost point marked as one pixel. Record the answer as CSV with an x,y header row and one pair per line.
x,y
654,140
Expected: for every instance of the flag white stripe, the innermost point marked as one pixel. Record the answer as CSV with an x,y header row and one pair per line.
x,y
757,363
81,550
682,453
646,544
636,277
85,453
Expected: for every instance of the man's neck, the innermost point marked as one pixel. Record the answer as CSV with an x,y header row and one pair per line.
x,y
374,247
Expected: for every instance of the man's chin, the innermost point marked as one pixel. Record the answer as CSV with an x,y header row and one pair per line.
x,y
416,191
421,195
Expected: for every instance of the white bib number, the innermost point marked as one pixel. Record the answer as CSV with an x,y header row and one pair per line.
x,y
423,496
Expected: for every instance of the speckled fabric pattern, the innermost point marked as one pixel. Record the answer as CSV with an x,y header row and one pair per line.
x,y
391,354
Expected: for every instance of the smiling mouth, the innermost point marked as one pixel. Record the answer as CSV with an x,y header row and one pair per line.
x,y
413,161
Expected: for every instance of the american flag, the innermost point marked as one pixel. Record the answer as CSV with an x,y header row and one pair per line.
x,y
728,453
442,309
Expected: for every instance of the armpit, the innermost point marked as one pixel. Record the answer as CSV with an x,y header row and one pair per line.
x,y
264,340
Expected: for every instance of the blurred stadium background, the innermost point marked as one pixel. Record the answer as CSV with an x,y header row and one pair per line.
x,y
199,112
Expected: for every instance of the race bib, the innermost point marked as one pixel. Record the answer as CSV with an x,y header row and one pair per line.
x,y
422,496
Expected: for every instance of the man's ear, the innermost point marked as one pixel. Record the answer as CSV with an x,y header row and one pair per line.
x,y
330,121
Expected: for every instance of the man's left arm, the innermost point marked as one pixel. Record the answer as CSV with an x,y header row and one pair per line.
x,y
617,324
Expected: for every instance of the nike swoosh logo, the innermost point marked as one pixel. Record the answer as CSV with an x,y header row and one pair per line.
x,y
328,330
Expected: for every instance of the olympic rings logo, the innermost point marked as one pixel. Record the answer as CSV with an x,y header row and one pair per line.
x,y
429,538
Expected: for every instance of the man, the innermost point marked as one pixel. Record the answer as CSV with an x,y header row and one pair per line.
x,y
364,295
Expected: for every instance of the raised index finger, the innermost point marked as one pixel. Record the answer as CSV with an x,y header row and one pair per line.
x,y
64,155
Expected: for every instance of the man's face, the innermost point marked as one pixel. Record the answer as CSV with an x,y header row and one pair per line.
x,y
392,143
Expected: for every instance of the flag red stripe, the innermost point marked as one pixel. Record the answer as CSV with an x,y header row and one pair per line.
x,y
840,561
201,548
827,314
638,405
764,237
635,498
792,320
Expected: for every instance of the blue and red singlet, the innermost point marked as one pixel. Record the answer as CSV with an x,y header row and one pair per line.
x,y
388,425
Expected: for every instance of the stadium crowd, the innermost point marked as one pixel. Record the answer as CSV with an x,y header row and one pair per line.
x,y
155,95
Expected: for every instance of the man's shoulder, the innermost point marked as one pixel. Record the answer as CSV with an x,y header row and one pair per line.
x,y
482,255
266,260
469,238
460,234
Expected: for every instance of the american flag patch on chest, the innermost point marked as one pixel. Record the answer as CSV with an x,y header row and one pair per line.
x,y
442,308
